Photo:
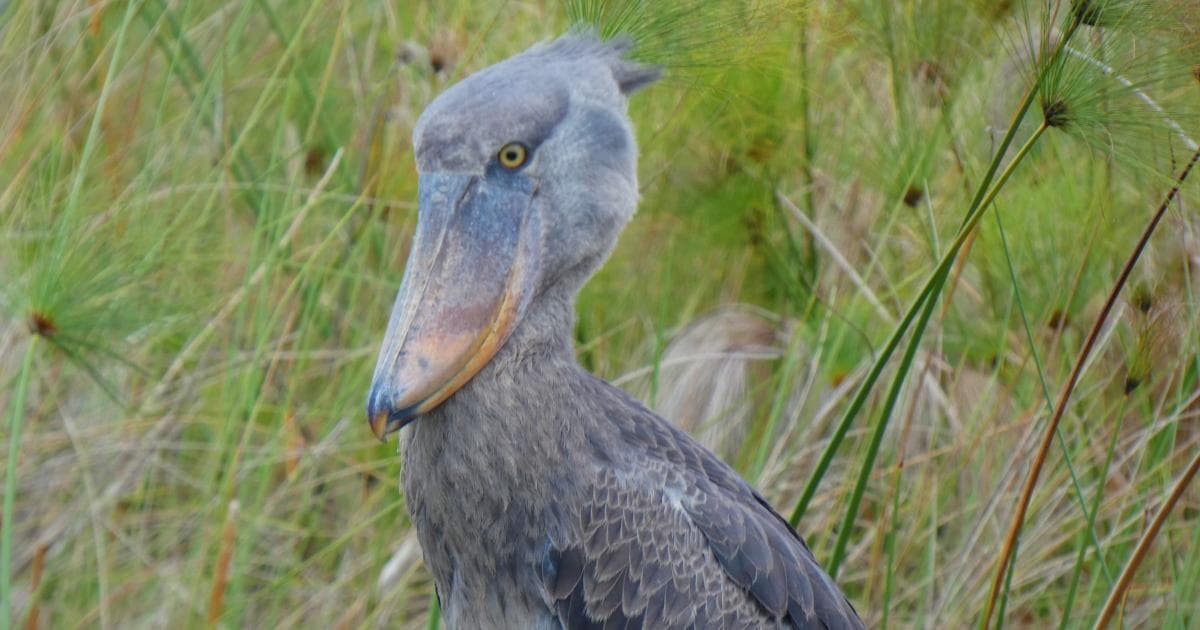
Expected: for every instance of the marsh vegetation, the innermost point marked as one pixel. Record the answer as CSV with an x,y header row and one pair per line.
x,y
923,271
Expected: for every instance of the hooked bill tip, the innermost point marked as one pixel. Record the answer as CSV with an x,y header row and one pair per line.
x,y
378,424
383,418
385,423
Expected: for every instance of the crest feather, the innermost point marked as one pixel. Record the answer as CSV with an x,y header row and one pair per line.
x,y
629,74
682,36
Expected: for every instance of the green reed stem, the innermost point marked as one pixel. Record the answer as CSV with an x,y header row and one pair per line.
x,y
16,424
929,291
435,613
983,196
929,298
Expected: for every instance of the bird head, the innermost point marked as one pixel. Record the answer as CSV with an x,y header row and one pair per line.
x,y
527,173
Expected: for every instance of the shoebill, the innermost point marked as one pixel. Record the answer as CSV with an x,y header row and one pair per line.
x,y
542,496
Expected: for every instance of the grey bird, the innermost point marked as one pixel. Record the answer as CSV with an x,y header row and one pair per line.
x,y
542,496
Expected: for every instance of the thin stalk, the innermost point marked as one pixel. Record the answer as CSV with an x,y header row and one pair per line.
x,y
319,116
860,397
868,463
892,518
16,423
1069,602
810,148
1007,590
89,145
435,613
1041,370
929,576
1143,546
889,546
220,582
928,292
778,403
899,103
984,193
243,168
1039,460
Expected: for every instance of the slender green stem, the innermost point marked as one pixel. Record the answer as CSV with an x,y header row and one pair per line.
x,y
1091,525
435,612
810,147
89,145
868,463
1007,590
931,288
791,362
1064,398
898,79
974,211
241,165
1117,594
319,116
1037,361
15,425
889,547
860,397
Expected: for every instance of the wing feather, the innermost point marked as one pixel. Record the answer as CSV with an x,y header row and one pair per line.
x,y
671,537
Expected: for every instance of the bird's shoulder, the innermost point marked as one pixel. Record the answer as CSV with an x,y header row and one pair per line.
x,y
669,531
638,562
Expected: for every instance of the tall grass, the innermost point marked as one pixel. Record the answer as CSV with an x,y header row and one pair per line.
x,y
205,207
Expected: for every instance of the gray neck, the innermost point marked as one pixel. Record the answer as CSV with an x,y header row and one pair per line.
x,y
545,332
489,461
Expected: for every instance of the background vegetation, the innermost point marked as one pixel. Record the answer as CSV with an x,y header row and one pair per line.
x,y
205,209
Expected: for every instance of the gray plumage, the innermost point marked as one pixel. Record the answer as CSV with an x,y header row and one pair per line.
x,y
542,496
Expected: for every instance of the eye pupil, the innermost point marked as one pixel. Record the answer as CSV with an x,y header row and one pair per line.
x,y
513,155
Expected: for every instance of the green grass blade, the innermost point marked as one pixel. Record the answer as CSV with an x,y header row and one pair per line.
x,y
16,422
868,461
931,288
984,190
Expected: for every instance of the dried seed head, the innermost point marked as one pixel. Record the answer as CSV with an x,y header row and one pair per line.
x,y
934,77
445,50
411,53
437,62
1157,337
1143,299
1086,11
42,325
1056,113
913,196
314,161
1058,320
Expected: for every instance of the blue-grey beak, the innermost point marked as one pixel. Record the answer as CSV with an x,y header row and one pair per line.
x,y
470,274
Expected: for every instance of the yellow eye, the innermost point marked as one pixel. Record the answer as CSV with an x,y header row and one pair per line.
x,y
513,155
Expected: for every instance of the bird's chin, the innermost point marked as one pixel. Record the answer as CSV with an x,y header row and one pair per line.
x,y
470,275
